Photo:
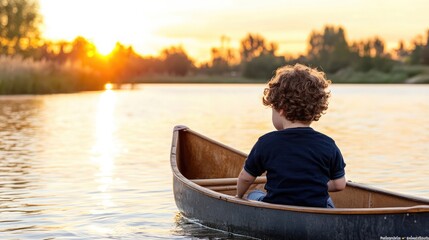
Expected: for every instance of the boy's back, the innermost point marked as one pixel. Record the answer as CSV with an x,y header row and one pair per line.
x,y
299,162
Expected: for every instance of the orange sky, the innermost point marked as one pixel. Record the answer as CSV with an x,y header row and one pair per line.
x,y
198,25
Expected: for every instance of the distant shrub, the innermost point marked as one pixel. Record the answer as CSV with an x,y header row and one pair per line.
x,y
411,70
262,67
422,78
348,75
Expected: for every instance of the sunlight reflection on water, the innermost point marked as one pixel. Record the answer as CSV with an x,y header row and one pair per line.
x,y
96,164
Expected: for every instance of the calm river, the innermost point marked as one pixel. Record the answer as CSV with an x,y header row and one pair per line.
x,y
95,165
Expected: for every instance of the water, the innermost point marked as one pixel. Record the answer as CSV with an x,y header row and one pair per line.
x,y
96,165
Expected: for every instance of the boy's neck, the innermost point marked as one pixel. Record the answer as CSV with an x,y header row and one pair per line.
x,y
288,124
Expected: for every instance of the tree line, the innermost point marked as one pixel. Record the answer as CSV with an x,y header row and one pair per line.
x,y
327,49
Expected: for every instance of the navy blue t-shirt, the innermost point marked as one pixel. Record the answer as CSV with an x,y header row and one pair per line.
x,y
299,163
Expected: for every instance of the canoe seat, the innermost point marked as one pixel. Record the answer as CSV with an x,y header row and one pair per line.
x,y
225,185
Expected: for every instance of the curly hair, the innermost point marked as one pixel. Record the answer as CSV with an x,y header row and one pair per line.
x,y
300,91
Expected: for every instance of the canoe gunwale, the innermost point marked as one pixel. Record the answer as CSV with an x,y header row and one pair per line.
x,y
178,176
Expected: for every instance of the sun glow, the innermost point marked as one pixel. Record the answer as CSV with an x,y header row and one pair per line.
x,y
104,47
104,149
108,86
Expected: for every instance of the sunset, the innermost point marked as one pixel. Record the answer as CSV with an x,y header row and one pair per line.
x,y
149,26
226,119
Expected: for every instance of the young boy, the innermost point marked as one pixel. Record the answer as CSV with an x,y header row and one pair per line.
x,y
301,164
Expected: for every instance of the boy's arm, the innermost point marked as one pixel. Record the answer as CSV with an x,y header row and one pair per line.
x,y
337,184
243,183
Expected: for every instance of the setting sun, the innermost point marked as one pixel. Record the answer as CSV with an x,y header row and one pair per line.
x,y
108,86
104,47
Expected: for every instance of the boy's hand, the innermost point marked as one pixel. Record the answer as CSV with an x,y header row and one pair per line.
x,y
245,199
243,183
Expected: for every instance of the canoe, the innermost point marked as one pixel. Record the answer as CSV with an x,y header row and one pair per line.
x,y
204,177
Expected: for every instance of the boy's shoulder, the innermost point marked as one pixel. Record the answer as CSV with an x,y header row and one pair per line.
x,y
269,135
324,136
268,138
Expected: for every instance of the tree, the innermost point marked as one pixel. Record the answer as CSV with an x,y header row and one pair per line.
x,y
254,45
401,52
329,49
82,50
365,63
119,66
425,51
19,26
416,55
381,60
258,57
176,61
263,66
369,54
222,59
219,63
378,45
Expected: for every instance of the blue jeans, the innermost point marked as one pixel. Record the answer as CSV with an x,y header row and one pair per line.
x,y
330,203
258,195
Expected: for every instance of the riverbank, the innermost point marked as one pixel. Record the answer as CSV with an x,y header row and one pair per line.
x,y
194,79
25,76
415,74
399,74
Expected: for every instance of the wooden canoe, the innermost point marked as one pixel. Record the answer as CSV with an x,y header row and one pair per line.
x,y
204,178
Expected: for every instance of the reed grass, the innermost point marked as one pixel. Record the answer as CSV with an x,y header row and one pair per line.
x,y
26,76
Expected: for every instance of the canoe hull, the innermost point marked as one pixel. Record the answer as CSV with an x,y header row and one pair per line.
x,y
363,212
280,224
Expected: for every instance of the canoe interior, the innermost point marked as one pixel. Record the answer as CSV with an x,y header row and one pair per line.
x,y
216,166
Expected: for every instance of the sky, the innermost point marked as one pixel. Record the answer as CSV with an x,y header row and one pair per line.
x,y
198,25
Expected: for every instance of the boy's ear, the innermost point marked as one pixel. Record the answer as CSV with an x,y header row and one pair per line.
x,y
281,112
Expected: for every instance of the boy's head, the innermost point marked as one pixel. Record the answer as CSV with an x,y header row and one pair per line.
x,y
300,91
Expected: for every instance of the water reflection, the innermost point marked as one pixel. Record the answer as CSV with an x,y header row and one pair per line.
x,y
104,149
18,127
